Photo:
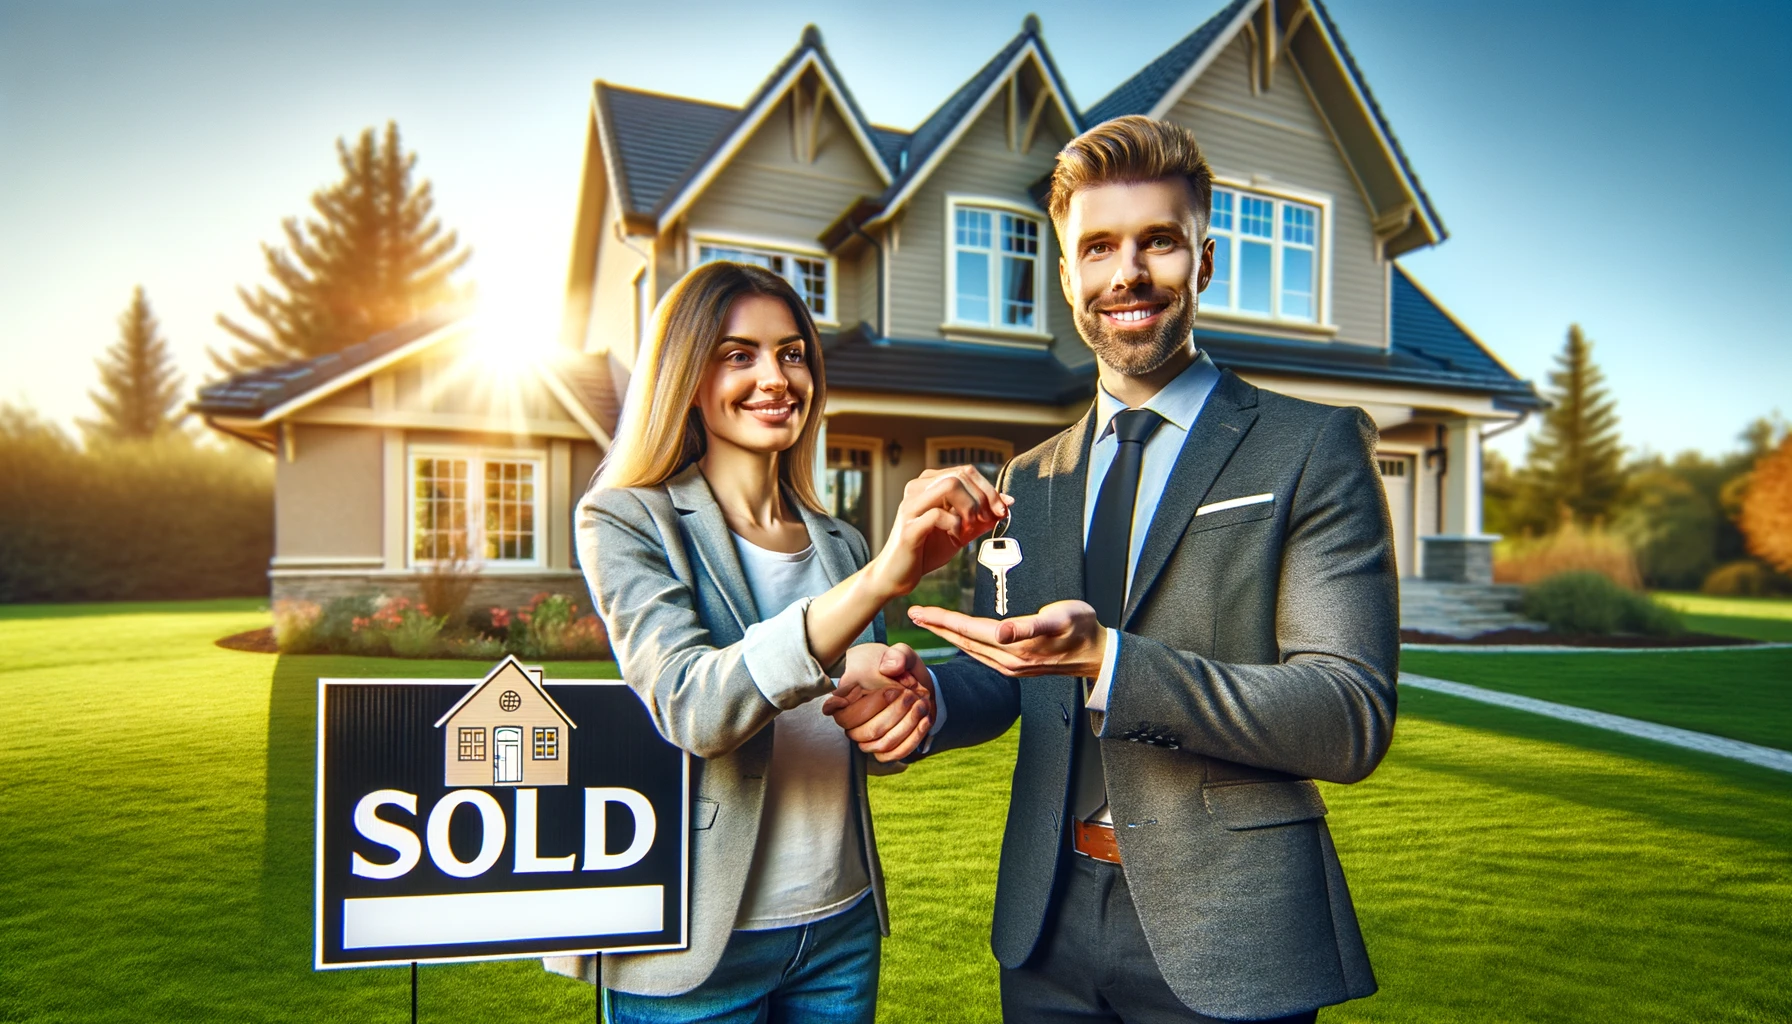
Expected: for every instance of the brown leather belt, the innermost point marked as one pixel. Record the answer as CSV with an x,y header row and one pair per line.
x,y
1094,839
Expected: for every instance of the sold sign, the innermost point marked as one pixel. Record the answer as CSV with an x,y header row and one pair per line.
x,y
507,817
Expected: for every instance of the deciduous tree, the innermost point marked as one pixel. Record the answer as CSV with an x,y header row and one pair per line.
x,y
373,257
140,389
1767,508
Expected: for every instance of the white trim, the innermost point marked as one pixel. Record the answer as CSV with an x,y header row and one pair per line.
x,y
1387,148
476,456
696,238
361,373
1264,187
1040,330
723,155
574,408
1065,109
1160,110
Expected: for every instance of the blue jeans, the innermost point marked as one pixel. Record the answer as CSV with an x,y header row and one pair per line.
x,y
824,972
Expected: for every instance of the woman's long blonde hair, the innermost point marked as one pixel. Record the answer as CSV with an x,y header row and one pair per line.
x,y
661,431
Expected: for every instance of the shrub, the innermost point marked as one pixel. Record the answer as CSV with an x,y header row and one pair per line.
x,y
1571,548
1590,603
140,520
1746,578
295,626
549,627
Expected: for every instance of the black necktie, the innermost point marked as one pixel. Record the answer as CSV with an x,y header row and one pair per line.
x,y
1104,580
1110,529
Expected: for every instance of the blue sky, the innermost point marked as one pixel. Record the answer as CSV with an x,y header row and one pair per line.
x,y
1620,166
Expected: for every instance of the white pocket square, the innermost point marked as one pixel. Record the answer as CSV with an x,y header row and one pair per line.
x,y
1221,506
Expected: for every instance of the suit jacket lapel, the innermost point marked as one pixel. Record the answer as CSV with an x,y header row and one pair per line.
x,y
1226,417
1061,540
696,504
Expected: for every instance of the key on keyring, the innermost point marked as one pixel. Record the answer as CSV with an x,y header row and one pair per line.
x,y
998,555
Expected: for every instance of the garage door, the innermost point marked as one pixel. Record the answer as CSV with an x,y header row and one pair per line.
x,y
1396,477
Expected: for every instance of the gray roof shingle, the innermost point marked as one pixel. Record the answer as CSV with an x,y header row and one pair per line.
x,y
253,393
660,139
1138,94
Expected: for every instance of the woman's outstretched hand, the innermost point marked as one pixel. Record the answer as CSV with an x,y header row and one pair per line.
x,y
942,510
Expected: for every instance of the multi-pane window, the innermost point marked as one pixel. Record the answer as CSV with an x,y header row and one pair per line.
x,y
440,510
807,274
995,268
472,744
547,743
1265,256
475,507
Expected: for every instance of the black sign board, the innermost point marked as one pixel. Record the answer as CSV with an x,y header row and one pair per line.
x,y
504,817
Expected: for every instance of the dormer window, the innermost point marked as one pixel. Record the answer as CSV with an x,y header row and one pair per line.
x,y
993,274
807,273
1266,257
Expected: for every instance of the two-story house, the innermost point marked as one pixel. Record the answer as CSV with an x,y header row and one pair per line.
x,y
930,266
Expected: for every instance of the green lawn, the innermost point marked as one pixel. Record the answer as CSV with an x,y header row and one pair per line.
x,y
1758,618
1743,694
157,855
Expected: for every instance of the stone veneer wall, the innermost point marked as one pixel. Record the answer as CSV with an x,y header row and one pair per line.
x,y
504,590
1459,559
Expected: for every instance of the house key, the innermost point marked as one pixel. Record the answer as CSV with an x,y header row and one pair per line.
x,y
998,555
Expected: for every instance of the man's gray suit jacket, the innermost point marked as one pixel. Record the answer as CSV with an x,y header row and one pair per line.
x,y
668,584
1258,651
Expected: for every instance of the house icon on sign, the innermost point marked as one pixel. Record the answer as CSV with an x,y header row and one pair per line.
x,y
505,731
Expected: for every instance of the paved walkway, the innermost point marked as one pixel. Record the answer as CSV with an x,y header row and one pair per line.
x,y
1766,757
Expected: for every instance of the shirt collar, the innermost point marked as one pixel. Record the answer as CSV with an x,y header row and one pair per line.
x,y
1178,402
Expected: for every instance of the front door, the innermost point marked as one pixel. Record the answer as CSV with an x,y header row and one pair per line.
x,y
507,760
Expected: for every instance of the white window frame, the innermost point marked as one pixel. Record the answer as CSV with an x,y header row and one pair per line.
x,y
1322,256
476,458
775,247
874,494
1040,331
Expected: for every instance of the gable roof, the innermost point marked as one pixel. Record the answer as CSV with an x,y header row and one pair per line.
x,y
505,667
1141,92
1423,329
1161,82
253,394
584,384
668,147
930,141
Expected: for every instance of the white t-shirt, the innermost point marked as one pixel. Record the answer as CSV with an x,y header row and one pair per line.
x,y
808,864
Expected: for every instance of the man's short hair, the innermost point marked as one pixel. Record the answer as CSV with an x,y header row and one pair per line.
x,y
1128,150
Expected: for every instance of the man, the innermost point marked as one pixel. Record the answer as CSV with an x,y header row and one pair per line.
x,y
1206,620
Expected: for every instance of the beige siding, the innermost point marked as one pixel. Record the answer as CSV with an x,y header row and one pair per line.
x,y
327,498
1280,135
355,396
766,191
981,165
613,325
445,379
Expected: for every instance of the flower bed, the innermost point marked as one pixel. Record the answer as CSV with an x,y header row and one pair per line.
x,y
549,626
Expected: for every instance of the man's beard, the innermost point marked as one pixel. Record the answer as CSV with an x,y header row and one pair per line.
x,y
1136,353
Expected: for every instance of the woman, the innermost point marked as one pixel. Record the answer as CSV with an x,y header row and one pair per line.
x,y
726,590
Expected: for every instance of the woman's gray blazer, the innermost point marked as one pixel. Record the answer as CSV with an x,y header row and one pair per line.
x,y
667,581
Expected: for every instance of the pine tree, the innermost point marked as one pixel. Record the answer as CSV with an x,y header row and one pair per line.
x,y
374,257
140,390
1575,461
